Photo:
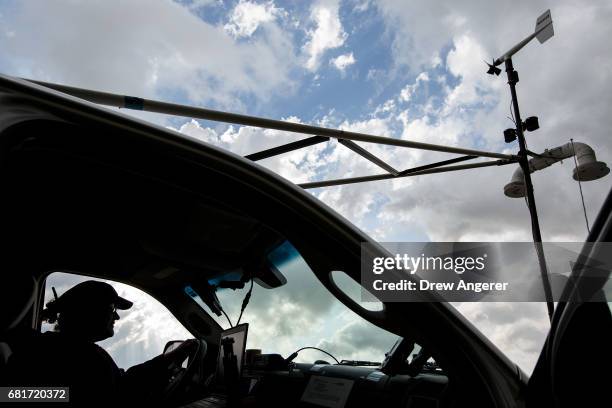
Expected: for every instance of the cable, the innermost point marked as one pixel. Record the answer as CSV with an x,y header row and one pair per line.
x,y
586,219
294,354
227,317
245,302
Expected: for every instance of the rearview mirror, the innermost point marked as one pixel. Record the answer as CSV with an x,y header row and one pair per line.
x,y
172,345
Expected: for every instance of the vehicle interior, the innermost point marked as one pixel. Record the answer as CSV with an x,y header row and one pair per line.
x,y
104,195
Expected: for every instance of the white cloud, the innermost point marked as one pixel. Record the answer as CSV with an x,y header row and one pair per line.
x,y
362,6
247,16
519,329
436,61
327,34
341,62
406,93
196,4
465,61
387,106
359,340
421,29
168,49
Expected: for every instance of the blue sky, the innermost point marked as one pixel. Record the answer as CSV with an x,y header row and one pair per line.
x,y
367,79
403,69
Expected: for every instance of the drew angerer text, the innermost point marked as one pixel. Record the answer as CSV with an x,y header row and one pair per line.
x,y
424,284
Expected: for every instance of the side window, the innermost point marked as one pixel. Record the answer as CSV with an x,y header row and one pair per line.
x,y
140,333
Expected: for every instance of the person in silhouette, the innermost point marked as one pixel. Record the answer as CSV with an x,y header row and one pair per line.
x,y
69,357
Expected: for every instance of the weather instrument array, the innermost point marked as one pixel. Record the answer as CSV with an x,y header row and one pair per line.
x,y
587,166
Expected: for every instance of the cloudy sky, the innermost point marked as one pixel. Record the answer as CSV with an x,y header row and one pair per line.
x,y
409,70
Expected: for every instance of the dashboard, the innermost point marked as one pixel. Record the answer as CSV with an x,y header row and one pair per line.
x,y
337,386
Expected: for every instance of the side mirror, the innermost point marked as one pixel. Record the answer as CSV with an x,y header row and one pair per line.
x,y
171,345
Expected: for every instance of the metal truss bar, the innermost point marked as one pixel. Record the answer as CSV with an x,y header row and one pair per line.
x,y
436,164
275,151
353,180
130,102
367,155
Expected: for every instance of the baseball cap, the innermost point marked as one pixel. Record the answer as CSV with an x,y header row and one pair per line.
x,y
88,292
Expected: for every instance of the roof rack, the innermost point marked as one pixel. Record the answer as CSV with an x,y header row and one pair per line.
x,y
319,135
348,139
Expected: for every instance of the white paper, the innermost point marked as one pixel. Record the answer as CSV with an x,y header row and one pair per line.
x,y
327,391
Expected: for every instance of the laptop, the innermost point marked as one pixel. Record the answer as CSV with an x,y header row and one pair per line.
x,y
230,363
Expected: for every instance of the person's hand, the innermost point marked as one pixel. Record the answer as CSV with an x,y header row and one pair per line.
x,y
183,351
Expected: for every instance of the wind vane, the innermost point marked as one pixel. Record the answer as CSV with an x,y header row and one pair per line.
x,y
543,31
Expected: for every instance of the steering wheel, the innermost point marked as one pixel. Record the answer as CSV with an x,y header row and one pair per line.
x,y
182,378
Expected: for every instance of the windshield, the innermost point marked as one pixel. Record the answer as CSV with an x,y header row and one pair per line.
x,y
303,313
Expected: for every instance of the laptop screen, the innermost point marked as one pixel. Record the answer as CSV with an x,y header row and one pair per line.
x,y
231,355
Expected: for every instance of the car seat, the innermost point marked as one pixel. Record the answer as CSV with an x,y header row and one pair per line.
x,y
14,308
